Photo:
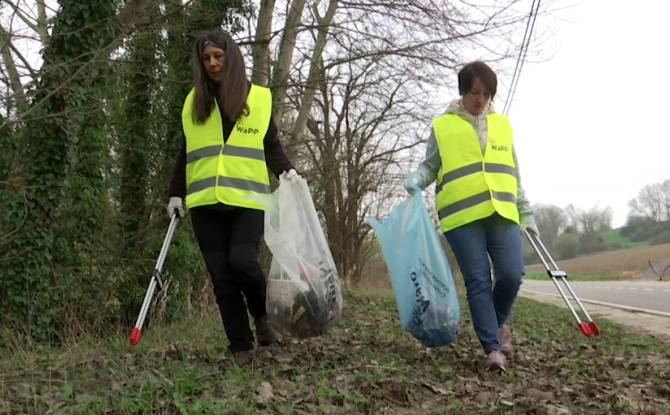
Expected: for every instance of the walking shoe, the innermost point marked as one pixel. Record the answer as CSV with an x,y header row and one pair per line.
x,y
495,361
264,331
244,358
506,342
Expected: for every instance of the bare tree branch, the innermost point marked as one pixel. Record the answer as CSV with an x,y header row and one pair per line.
x,y
130,26
26,64
31,24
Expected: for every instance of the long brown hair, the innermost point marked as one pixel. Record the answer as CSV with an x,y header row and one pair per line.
x,y
231,91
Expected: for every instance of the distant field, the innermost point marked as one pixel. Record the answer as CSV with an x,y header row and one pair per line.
x,y
615,262
614,236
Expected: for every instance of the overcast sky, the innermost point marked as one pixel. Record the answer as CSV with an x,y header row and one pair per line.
x,y
587,123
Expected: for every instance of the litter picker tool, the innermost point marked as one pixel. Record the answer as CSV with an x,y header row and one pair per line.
x,y
555,274
155,282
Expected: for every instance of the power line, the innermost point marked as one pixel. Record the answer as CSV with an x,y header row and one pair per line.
x,y
518,59
522,54
523,59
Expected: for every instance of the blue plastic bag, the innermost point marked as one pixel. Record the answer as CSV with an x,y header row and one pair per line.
x,y
420,274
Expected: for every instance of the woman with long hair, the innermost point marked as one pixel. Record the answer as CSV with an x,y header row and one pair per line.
x,y
230,141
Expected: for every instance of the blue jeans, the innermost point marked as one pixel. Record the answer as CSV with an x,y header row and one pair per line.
x,y
501,239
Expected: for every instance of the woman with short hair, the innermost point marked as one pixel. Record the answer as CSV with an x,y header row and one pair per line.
x,y
481,204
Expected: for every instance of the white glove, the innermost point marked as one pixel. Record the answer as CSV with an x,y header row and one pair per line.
x,y
532,228
411,183
292,174
176,203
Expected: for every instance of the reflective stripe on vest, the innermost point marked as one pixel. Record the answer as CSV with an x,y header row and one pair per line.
x,y
472,186
218,172
229,150
231,182
474,168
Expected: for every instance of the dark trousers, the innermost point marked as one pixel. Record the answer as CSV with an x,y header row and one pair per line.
x,y
229,242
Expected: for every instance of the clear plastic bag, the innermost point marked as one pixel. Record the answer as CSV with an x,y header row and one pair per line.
x,y
420,273
304,295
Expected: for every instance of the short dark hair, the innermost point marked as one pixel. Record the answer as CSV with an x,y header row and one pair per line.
x,y
477,69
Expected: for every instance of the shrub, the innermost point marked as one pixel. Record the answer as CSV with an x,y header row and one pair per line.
x,y
567,246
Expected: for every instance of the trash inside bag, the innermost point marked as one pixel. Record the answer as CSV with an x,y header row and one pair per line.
x,y
304,296
297,308
420,274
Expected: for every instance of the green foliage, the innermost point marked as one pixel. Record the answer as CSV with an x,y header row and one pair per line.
x,y
5,151
138,78
83,217
567,246
571,230
660,239
642,229
78,249
182,272
615,240
551,220
57,159
592,242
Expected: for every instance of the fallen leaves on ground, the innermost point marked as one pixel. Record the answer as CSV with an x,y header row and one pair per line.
x,y
366,365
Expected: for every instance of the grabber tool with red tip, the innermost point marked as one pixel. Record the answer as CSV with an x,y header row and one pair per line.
x,y
155,282
555,274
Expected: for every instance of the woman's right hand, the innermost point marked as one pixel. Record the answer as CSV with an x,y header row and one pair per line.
x,y
176,203
411,183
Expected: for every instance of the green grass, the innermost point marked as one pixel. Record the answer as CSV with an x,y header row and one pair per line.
x,y
541,275
364,365
614,236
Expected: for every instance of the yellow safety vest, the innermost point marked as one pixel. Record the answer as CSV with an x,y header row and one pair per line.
x,y
218,172
472,185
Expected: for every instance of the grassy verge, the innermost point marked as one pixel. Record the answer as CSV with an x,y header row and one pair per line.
x,y
541,275
366,365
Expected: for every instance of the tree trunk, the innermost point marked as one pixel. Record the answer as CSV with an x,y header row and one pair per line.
x,y
261,50
282,68
314,71
14,77
42,29
48,148
135,133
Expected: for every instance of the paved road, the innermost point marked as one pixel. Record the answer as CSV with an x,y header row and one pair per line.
x,y
650,296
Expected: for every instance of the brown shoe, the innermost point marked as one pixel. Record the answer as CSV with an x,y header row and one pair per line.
x,y
495,361
264,331
244,359
506,342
